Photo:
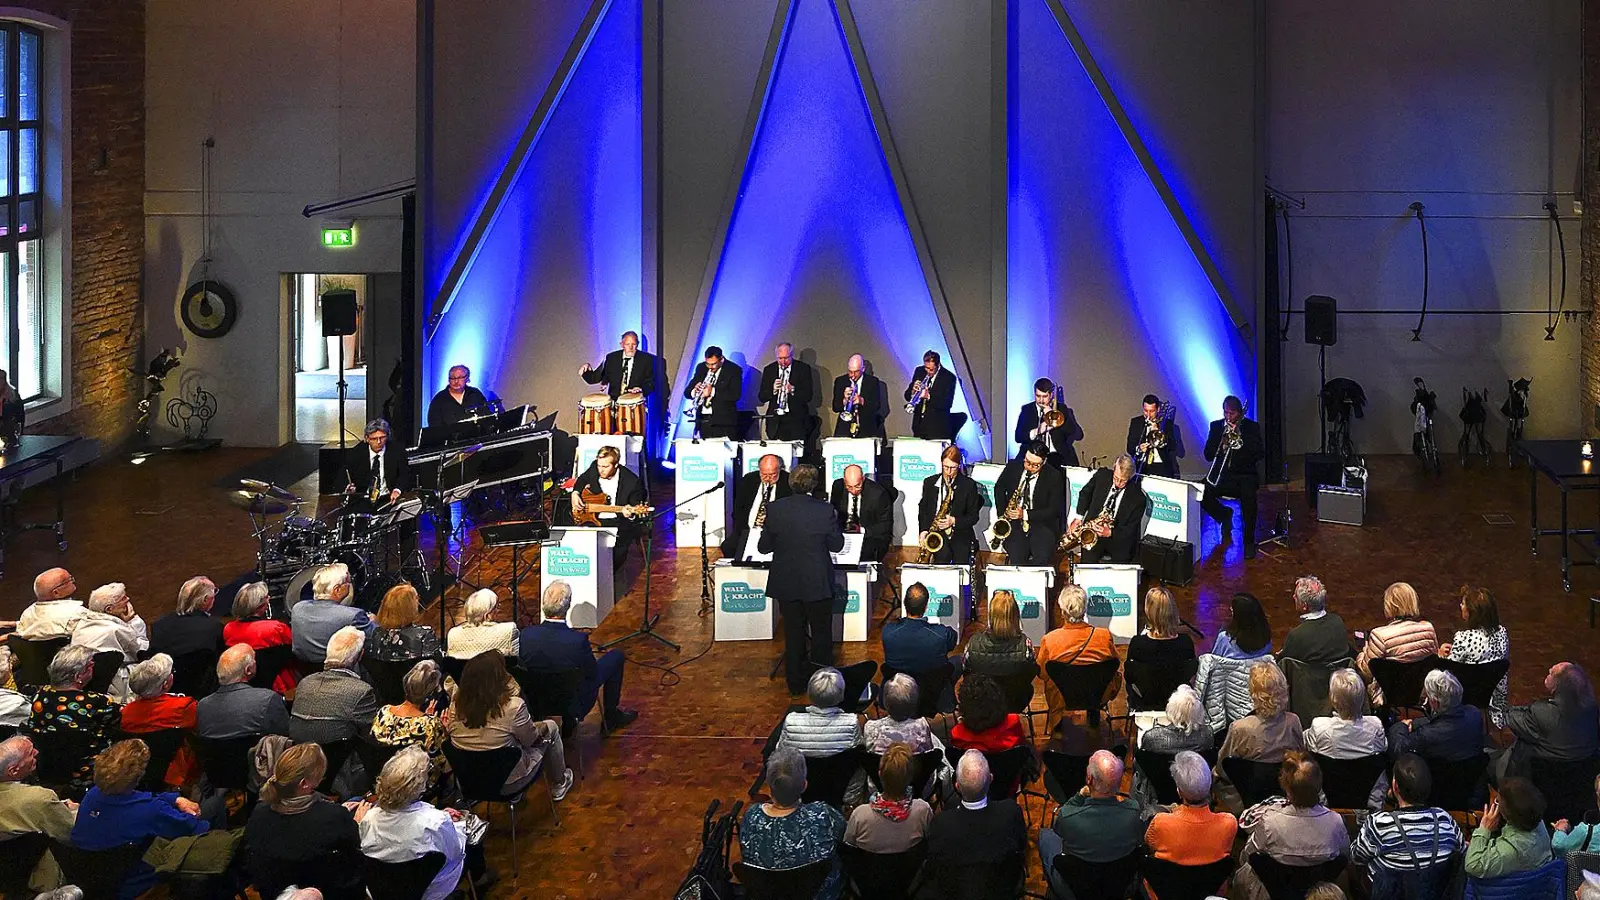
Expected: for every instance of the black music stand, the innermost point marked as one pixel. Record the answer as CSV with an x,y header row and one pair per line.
x,y
516,535
648,623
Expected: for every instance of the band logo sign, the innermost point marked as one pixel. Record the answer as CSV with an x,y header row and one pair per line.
x,y
740,597
846,601
941,605
1162,509
698,468
844,461
565,562
1105,602
914,469
1028,607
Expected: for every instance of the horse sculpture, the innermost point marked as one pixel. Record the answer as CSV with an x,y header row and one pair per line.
x,y
1473,416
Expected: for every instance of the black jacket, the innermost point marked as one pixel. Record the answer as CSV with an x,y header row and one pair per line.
x,y
178,636
869,407
1049,495
931,420
1127,524
1241,462
642,377
994,835
965,505
725,401
800,534
877,516
799,376
1172,452
358,467
744,498
444,410
1064,437
630,490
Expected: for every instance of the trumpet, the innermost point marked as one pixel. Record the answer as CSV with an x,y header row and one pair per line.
x,y
934,540
851,397
1155,434
919,393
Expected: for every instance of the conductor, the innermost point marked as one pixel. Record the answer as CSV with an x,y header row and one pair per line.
x,y
800,533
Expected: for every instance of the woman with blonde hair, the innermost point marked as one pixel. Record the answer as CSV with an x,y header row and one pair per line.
x,y
398,827
398,637
1001,649
295,836
1406,637
1270,730
1348,733
1161,643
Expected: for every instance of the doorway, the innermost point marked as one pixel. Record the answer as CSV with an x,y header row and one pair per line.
x,y
317,360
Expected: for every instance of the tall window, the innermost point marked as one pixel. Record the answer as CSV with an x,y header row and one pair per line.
x,y
22,339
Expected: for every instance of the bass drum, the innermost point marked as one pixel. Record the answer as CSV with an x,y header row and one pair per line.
x,y
299,587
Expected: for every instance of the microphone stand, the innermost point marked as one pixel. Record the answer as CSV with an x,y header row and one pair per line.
x,y
648,623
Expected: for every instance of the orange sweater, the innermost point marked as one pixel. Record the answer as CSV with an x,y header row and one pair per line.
x,y
1079,642
1191,836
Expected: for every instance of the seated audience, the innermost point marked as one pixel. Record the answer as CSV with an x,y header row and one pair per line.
x,y
29,808
156,708
1270,731
295,837
398,827
1581,836
476,633
190,627
1406,850
111,624
1077,643
487,714
822,728
1347,734
235,709
550,646
14,705
1001,649
1295,829
65,715
1190,834
115,812
893,821
415,723
982,722
1183,727
785,832
1094,825
1161,643
1224,688
313,622
1248,634
253,625
1406,637
900,722
977,832
1483,640
264,759
398,637
335,704
1559,728
1319,638
54,613
1510,836
1450,732
913,644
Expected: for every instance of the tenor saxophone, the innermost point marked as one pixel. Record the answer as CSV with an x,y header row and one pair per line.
x,y
934,540
1000,529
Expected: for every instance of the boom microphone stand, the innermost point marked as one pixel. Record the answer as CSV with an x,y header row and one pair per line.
x,y
648,623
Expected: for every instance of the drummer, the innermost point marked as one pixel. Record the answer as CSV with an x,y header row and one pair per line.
x,y
627,371
457,401
376,470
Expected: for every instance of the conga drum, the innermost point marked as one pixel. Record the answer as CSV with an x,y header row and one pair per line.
x,y
596,410
630,414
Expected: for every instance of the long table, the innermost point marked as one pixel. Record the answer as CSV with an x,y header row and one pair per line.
x,y
1563,463
35,452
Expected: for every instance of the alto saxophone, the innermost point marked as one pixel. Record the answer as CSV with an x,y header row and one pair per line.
x,y
934,540
1085,535
1001,527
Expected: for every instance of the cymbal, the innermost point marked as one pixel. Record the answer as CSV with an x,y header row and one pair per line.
x,y
260,504
271,490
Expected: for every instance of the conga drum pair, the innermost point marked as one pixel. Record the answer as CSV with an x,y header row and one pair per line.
x,y
596,413
630,414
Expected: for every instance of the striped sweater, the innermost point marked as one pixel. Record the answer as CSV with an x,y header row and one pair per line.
x,y
1407,839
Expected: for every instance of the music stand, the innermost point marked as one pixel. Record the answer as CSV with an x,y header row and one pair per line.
x,y
516,535
647,623
437,505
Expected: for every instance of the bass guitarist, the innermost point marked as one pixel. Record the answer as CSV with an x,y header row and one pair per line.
x,y
621,488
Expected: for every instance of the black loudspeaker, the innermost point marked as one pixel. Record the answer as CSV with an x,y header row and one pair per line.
x,y
1321,468
1322,320
338,312
1166,560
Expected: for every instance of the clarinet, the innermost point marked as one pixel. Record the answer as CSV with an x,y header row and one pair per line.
x,y
705,573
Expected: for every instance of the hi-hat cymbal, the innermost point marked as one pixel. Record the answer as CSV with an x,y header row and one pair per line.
x,y
271,490
258,503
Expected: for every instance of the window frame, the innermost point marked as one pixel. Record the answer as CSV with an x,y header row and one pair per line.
x,y
12,234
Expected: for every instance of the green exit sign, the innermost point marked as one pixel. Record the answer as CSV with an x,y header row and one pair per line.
x,y
339,237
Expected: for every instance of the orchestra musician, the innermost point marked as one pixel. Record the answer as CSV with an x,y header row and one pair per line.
x,y
1034,497
786,389
930,394
715,389
1154,441
1058,440
376,471
629,370
1233,447
1111,492
867,507
857,401
606,475
960,518
457,401
751,495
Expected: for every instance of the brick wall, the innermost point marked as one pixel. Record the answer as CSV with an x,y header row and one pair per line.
x,y
1589,233
107,176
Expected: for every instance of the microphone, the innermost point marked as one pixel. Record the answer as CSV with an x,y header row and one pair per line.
x,y
720,484
1185,623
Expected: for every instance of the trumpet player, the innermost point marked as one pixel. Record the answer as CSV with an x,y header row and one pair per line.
x,y
950,505
1113,506
1031,496
786,389
1233,447
1154,441
714,390
929,396
1050,423
857,401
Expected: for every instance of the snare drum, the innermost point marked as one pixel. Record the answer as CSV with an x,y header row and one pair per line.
x,y
630,414
355,528
596,410
303,538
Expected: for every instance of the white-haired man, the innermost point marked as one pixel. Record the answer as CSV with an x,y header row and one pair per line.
x,y
978,831
1094,825
29,808
335,704
1319,638
551,646
54,612
111,623
236,708
314,621
858,401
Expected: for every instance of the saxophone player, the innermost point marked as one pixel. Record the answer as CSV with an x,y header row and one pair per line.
x,y
1032,496
857,402
1154,440
929,396
956,495
1233,447
1113,505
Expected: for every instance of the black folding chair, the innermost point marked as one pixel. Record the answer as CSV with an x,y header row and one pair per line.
x,y
338,753
226,761
1458,784
1286,882
481,775
407,880
859,691
1401,682
61,755
931,686
1347,783
924,767
106,665
388,678
1065,773
552,695
1157,771
19,854
828,777
1017,686
1151,685
1478,680
1568,787
1083,687
194,674
98,873
1099,879
164,745
1000,880
1255,781
800,883
1308,686
31,671
1170,881
882,876
270,663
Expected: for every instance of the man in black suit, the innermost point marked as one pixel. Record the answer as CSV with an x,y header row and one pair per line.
x,y
606,475
750,498
786,389
376,471
865,506
1058,440
1036,521
857,401
800,533
1233,471
551,646
716,388
932,391
1154,440
960,519
977,832
1112,491
457,401
629,370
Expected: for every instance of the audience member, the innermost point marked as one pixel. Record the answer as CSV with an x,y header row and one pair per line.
x,y
54,613
1451,731
416,723
253,625
1510,836
893,821
190,627
786,833
397,637
235,709
1406,637
1094,825
115,812
398,827
1347,734
1001,650
1325,890
156,708
29,808
982,721
476,633
1161,643
1270,731
1248,634
1559,728
487,714
912,643
65,715
1076,643
295,837
1319,638
822,728
550,646
110,623
1224,688
264,759
1183,727
14,705
1588,890
1295,829
313,622
1483,640
1406,850
978,832
334,704
1190,833
900,722
1583,835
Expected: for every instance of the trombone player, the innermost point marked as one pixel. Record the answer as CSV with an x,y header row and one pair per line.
x,y
948,512
1112,506
1233,446
1154,440
1030,497
1050,423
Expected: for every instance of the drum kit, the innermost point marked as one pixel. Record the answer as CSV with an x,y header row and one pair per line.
x,y
601,415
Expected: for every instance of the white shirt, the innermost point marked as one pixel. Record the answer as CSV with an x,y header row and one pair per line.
x,y
766,490
1307,617
609,487
1116,499
103,632
406,834
1029,482
710,382
627,370
14,708
783,382
852,506
980,803
48,619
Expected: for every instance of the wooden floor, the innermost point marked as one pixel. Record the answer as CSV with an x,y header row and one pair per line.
x,y
631,827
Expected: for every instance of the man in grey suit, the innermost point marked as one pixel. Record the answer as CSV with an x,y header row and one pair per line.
x,y
801,531
235,709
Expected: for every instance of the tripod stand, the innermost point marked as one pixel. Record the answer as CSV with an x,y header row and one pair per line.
x,y
648,623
